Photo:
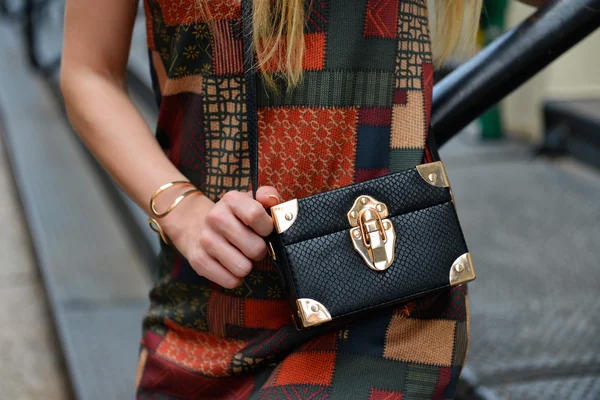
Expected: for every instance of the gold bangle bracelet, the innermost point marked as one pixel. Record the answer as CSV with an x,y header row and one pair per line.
x,y
155,226
175,203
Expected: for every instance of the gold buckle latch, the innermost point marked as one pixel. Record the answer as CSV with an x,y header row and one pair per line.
x,y
373,236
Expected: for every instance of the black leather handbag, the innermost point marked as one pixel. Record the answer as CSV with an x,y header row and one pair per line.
x,y
366,246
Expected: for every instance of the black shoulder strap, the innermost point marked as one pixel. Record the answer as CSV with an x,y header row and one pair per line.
x,y
250,78
431,145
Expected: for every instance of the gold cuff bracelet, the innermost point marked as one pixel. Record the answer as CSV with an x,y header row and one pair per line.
x,y
155,226
175,203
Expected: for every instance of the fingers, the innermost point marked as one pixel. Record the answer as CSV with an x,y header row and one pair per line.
x,y
211,269
240,236
268,196
249,211
232,238
229,257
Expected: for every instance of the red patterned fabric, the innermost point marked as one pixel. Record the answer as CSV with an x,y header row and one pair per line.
x,y
226,48
375,116
176,13
381,19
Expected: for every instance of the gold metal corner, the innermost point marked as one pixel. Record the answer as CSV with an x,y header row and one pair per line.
x,y
312,313
434,173
462,271
284,215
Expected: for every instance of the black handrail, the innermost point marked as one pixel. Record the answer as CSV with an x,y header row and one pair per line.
x,y
509,62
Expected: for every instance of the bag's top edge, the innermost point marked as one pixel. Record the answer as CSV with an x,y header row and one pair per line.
x,y
327,212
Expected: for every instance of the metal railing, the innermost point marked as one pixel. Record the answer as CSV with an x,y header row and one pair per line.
x,y
509,62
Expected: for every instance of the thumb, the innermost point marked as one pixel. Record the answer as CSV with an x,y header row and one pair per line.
x,y
268,196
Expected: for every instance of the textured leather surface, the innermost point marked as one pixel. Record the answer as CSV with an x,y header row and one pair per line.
x,y
325,213
329,270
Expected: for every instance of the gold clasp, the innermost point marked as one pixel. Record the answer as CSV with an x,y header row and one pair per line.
x,y
373,237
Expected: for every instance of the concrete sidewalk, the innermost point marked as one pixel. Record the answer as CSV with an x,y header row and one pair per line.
x,y
532,225
30,362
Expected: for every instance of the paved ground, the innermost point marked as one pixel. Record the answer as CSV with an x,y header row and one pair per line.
x,y
30,361
532,227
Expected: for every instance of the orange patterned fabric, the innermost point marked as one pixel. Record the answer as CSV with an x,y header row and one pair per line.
x,y
314,54
293,369
199,351
306,150
314,57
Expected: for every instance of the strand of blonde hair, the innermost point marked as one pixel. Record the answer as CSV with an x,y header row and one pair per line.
x,y
454,25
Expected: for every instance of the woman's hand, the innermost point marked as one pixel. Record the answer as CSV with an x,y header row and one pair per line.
x,y
220,240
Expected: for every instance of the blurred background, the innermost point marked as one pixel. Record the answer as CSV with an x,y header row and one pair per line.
x,y
76,257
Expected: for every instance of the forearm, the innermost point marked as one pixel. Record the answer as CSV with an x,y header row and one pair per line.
x,y
112,128
218,239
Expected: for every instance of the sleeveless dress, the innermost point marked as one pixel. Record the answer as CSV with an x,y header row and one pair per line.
x,y
361,111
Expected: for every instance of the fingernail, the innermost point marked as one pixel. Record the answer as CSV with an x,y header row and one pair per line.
x,y
274,196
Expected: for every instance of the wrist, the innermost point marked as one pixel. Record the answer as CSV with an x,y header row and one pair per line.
x,y
168,196
191,210
172,206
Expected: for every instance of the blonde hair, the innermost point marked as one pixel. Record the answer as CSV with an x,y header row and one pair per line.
x,y
279,33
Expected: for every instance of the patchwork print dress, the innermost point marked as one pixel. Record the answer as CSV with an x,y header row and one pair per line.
x,y
361,111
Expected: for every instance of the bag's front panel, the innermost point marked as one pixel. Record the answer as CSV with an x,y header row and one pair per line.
x,y
329,270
